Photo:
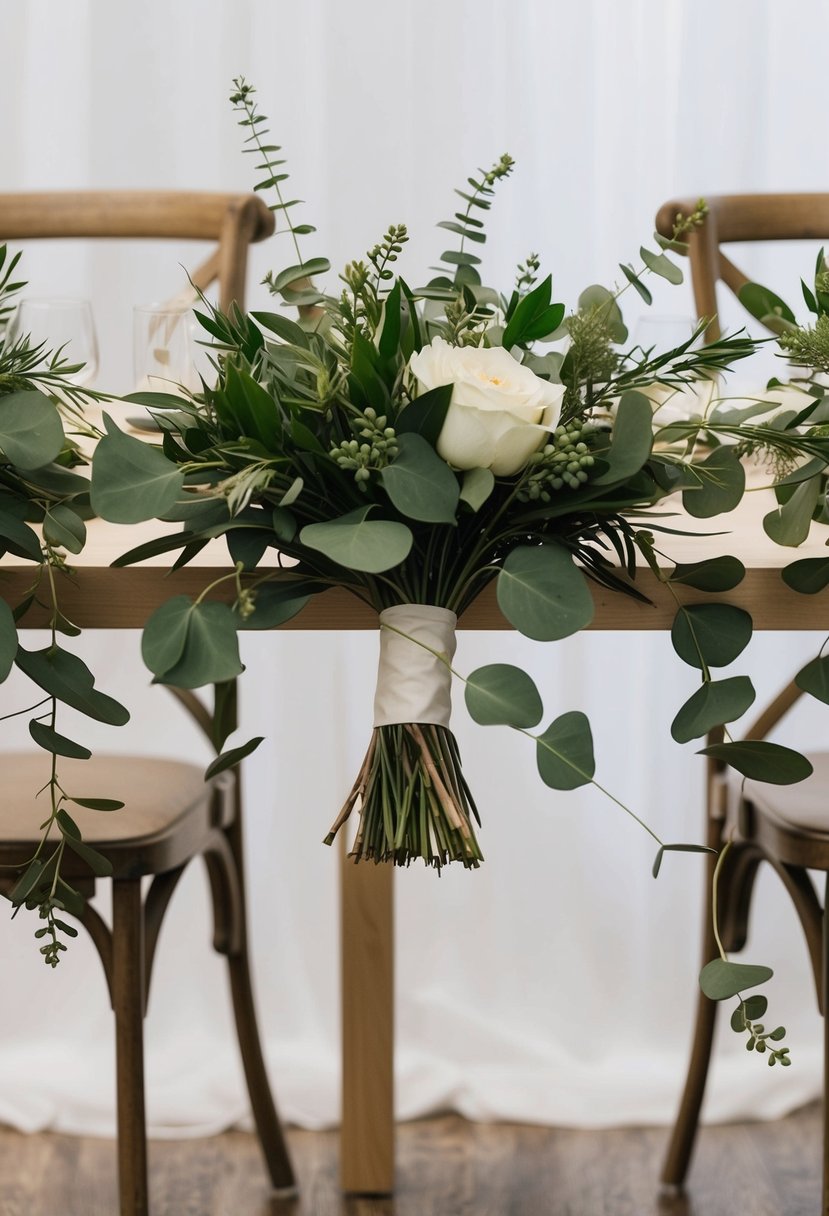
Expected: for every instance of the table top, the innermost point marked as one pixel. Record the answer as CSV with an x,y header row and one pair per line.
x,y
95,595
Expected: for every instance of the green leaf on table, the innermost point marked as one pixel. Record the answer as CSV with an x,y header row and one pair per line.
x,y
714,703
476,487
49,739
631,440
721,485
421,485
715,574
201,644
500,694
711,635
359,543
661,265
721,979
543,594
64,527
63,675
807,576
232,757
426,414
131,480
814,678
31,433
564,752
788,524
676,848
760,760
8,640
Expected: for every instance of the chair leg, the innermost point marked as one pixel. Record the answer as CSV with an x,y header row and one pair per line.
x,y
266,1118
128,1006
824,980
681,1145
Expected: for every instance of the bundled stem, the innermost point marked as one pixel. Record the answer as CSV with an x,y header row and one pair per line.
x,y
412,799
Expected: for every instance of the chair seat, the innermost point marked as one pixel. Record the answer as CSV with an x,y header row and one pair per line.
x,y
169,809
790,822
804,806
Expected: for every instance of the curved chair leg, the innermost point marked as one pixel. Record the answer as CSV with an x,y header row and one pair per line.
x,y
681,1146
235,946
128,1006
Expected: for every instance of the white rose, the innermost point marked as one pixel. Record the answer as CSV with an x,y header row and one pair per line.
x,y
500,411
679,403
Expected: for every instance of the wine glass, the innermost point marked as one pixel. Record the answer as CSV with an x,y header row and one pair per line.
x,y
164,349
62,325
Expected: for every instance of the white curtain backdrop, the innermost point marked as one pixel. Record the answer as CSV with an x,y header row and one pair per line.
x,y
556,984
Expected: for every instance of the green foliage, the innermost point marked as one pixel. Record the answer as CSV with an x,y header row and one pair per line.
x,y
543,594
503,695
564,752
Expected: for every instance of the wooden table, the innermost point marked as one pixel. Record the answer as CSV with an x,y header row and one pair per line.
x,y
98,597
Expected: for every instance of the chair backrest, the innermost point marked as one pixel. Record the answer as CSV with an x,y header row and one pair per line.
x,y
740,217
234,221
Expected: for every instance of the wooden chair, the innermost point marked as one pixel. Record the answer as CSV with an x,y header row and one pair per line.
x,y
171,815
785,826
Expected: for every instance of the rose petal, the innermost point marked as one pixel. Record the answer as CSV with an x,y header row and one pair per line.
x,y
514,447
466,440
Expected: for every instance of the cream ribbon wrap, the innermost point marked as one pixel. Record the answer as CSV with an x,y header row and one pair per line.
x,y
412,684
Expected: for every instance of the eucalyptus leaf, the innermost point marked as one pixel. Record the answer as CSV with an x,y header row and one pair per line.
x,y
49,739
676,848
715,574
721,979
165,634
99,804
760,760
711,635
789,524
232,757
564,752
131,481
211,647
476,487
714,703
543,594
65,676
31,433
500,694
421,485
814,678
8,640
807,576
64,527
661,265
98,864
631,441
722,481
359,543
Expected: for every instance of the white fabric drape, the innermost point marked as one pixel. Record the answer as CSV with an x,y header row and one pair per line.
x,y
557,983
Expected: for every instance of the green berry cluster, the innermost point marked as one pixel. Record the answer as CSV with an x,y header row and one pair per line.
x,y
374,447
563,463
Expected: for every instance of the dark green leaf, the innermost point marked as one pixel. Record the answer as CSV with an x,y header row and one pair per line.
x,y
232,757
676,848
721,485
502,695
789,523
49,739
211,648
18,538
8,640
710,635
65,676
306,270
720,980
715,574
31,433
359,543
543,594
636,283
284,328
131,481
814,678
762,761
96,862
631,441
713,704
426,414
765,306
165,634
64,527
564,752
421,485
808,576
99,804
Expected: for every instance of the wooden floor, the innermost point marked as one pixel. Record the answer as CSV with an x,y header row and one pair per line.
x,y
447,1167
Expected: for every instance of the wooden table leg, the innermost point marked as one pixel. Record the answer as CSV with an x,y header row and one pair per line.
x,y
367,980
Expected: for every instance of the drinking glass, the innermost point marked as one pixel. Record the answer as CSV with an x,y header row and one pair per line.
x,y
164,349
61,324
